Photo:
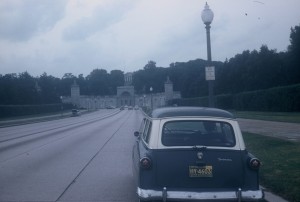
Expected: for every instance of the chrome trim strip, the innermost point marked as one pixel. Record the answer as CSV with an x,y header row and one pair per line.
x,y
239,195
164,194
187,196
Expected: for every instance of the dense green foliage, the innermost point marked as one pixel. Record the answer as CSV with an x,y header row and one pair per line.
x,y
249,71
278,99
23,89
289,117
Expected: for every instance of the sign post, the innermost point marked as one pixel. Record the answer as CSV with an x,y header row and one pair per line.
x,y
210,77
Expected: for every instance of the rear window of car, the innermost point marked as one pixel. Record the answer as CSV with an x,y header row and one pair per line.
x,y
204,133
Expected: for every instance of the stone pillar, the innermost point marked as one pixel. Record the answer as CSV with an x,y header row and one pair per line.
x,y
168,90
75,94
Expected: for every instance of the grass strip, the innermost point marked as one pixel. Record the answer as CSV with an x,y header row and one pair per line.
x,y
280,170
269,116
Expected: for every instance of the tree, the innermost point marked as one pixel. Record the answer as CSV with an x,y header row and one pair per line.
x,y
294,47
26,90
49,89
65,84
82,82
150,76
116,78
293,58
150,65
18,89
8,89
98,82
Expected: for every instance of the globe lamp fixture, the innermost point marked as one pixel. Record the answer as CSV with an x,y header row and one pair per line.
x,y
207,15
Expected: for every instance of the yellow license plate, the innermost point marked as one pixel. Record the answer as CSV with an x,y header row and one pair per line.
x,y
200,171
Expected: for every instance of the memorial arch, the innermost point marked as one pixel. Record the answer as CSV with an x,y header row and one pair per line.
x,y
125,99
125,96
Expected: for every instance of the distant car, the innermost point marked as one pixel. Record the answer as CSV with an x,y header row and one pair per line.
x,y
193,154
110,107
136,107
75,112
130,108
122,108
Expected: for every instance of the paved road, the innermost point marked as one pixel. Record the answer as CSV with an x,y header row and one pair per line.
x,y
85,158
288,131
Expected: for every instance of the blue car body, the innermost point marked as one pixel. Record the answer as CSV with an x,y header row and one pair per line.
x,y
191,153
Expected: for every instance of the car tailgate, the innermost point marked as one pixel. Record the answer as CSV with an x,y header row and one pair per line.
x,y
199,168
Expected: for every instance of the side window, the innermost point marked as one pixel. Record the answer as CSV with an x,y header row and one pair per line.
x,y
142,127
147,138
147,131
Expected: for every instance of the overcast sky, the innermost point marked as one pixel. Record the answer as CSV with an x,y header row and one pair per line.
x,y
77,36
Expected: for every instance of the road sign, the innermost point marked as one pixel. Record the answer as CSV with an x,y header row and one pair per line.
x,y
210,73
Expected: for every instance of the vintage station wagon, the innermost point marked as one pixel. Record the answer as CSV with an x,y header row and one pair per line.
x,y
193,154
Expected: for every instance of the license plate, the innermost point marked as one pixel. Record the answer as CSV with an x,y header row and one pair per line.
x,y
200,171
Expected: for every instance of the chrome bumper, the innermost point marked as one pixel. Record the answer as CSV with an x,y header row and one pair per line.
x,y
189,196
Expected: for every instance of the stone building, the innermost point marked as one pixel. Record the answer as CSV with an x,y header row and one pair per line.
x,y
125,96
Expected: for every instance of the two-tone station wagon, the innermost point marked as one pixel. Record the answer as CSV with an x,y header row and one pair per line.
x,y
193,154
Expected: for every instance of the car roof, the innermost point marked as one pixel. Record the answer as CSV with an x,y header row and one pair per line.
x,y
190,111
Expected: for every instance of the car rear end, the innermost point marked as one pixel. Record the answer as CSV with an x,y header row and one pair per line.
x,y
197,158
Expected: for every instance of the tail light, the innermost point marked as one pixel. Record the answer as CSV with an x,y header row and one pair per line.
x,y
254,163
145,163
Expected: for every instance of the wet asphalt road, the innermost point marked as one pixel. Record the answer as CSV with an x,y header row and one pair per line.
x,y
86,158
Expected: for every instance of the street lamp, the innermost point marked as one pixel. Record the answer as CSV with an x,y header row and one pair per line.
x,y
207,18
151,89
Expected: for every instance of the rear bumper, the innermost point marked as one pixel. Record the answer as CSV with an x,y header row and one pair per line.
x,y
246,195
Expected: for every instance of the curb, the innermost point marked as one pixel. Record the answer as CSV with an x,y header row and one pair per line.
x,y
270,197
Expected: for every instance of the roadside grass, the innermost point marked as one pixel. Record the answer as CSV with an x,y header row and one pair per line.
x,y
17,120
291,117
280,170
35,115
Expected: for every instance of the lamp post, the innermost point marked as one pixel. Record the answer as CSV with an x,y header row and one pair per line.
x,y
207,18
151,89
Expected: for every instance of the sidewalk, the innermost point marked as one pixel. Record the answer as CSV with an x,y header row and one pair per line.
x,y
273,198
287,131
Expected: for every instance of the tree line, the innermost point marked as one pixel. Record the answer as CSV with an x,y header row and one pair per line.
x,y
24,89
247,71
